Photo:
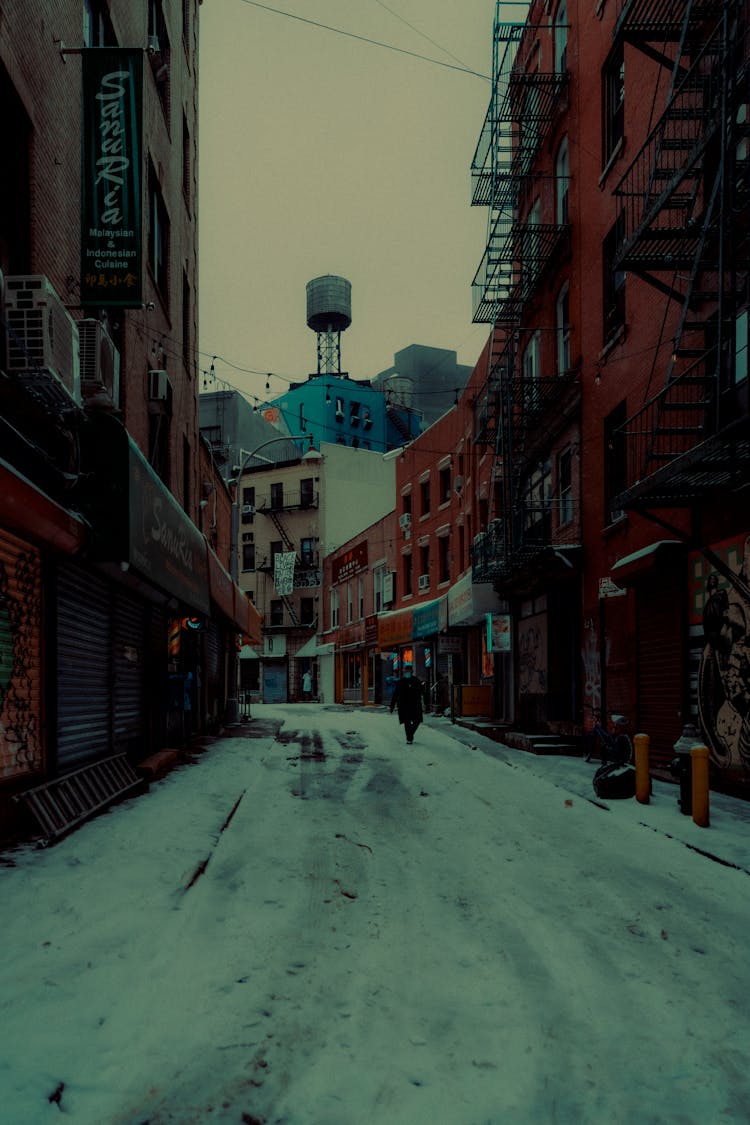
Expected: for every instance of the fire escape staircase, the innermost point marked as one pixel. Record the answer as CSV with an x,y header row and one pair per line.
x,y
680,235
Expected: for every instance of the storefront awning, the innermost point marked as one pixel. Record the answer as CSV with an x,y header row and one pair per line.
x,y
29,512
429,618
136,521
648,559
230,599
394,628
312,648
469,602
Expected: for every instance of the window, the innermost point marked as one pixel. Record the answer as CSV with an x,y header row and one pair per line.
x,y
186,162
444,569
561,38
335,609
353,413
277,495
276,547
307,552
531,246
444,484
740,348
565,485
187,325
562,179
97,31
248,556
613,103
408,589
159,52
277,612
615,461
537,524
360,598
349,603
158,236
461,546
378,576
307,611
562,325
186,475
424,559
424,494
613,282
530,371
248,501
158,445
366,418
339,409
406,501
307,492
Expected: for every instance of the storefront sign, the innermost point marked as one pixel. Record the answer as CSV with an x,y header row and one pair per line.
x,y
165,545
394,629
351,562
498,632
448,644
468,601
371,631
610,589
111,172
426,619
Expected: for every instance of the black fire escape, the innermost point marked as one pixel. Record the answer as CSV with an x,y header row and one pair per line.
x,y
685,231
306,567
527,232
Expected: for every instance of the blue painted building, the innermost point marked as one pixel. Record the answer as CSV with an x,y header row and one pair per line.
x,y
344,411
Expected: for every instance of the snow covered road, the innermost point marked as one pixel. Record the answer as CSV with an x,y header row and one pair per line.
x,y
321,926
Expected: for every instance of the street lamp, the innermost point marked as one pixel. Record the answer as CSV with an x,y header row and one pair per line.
x,y
232,709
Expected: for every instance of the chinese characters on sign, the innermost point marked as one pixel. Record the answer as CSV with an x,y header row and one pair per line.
x,y
111,178
350,563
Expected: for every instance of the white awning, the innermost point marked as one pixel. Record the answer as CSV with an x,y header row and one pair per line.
x,y
312,648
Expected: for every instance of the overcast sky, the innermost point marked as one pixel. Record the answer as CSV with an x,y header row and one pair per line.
x,y
321,153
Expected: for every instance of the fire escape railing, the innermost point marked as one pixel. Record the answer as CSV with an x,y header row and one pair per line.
x,y
685,201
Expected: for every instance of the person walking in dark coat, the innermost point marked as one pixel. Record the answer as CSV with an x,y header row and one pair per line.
x,y
408,696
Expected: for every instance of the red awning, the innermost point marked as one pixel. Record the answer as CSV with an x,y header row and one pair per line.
x,y
29,512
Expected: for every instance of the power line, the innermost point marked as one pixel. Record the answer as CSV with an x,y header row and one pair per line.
x,y
366,39
434,42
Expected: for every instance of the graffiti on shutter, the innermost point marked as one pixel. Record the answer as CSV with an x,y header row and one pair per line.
x,y
21,750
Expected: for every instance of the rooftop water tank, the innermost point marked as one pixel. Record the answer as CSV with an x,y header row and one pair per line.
x,y
329,303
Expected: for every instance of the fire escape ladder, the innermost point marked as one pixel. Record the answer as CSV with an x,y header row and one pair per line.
x,y
278,524
293,616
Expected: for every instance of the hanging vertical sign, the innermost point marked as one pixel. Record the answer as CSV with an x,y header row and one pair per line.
x,y
111,171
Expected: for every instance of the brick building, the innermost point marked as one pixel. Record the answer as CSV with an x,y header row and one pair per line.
x,y
102,555
614,163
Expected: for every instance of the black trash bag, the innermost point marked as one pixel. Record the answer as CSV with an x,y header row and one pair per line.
x,y
614,780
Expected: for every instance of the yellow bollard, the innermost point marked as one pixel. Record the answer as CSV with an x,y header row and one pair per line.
x,y
699,762
642,778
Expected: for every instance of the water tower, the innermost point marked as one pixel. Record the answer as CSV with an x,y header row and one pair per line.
x,y
329,313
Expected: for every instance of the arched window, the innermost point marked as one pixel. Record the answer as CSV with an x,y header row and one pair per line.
x,y
561,37
562,324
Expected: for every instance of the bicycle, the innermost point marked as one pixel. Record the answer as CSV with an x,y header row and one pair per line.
x,y
613,746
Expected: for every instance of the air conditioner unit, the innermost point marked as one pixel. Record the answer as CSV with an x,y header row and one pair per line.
x,y
424,582
42,343
100,365
158,386
404,521
248,510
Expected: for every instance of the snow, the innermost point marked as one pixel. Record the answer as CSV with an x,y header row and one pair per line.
x,y
318,926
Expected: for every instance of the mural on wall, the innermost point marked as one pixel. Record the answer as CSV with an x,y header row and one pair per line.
x,y
20,616
720,598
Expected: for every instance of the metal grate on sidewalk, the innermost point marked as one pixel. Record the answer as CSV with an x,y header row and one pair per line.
x,y
61,804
